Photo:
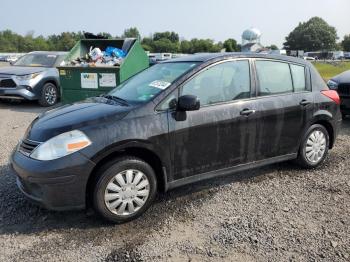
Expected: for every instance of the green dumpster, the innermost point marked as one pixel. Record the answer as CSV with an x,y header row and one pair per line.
x,y
80,82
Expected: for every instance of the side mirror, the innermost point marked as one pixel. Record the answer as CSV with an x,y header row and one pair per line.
x,y
188,103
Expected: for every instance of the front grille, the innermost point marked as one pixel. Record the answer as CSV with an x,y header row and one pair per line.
x,y
344,89
8,83
27,146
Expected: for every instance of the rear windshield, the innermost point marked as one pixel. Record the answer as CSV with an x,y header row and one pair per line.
x,y
41,60
147,84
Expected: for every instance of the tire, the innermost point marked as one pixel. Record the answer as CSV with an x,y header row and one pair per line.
x,y
307,157
113,201
49,95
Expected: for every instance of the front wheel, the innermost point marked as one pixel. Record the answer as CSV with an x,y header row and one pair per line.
x,y
125,189
49,95
314,147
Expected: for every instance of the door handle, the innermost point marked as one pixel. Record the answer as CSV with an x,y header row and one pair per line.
x,y
247,112
304,102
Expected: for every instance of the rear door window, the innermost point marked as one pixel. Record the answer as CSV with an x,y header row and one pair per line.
x,y
299,79
274,78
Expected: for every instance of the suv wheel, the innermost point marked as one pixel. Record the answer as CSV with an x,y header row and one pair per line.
x,y
314,147
49,95
125,189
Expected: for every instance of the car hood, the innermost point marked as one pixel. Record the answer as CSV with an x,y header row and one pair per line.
x,y
74,116
20,70
342,78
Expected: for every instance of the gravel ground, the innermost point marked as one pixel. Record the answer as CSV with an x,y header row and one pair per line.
x,y
2,64
276,213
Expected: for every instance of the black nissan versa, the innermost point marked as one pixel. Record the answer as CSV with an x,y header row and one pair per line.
x,y
176,123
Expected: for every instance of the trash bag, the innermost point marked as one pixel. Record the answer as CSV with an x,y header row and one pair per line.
x,y
95,53
113,51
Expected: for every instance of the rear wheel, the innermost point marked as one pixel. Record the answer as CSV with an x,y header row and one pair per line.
x,y
49,95
314,147
125,189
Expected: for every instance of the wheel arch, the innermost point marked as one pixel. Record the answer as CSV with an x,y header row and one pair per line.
x,y
325,119
39,87
145,154
326,124
54,82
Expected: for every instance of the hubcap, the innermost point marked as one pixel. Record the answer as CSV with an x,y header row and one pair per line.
x,y
315,146
127,192
50,95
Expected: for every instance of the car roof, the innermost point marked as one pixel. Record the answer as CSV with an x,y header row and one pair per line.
x,y
49,52
205,57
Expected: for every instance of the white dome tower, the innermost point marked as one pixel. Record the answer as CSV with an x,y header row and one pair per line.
x,y
251,36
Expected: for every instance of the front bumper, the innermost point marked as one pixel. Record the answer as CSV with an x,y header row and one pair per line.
x,y
58,184
19,92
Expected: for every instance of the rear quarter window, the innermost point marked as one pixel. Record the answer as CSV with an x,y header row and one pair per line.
x,y
299,77
317,82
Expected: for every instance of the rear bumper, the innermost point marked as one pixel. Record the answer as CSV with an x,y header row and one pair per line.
x,y
57,184
19,92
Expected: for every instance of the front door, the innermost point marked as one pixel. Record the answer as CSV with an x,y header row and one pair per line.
x,y
220,133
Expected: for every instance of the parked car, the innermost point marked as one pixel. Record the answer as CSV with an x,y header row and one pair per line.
x,y
176,123
34,76
309,58
341,83
3,58
12,59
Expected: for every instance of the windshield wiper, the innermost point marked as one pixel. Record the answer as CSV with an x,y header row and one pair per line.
x,y
117,99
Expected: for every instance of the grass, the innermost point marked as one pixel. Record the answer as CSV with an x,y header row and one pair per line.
x,y
330,69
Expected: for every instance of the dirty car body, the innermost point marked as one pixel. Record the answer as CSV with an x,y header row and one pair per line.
x,y
249,129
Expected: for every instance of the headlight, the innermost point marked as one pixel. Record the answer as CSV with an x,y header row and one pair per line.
x,y
27,77
332,84
61,145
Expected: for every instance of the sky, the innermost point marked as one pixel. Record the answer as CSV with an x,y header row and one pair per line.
x,y
213,19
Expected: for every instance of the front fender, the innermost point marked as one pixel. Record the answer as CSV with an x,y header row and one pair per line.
x,y
142,146
120,146
37,89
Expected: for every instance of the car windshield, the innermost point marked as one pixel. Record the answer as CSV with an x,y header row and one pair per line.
x,y
147,84
44,60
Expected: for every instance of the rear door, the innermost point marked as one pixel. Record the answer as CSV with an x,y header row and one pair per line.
x,y
285,107
219,134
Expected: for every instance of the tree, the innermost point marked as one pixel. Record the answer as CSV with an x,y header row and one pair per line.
x,y
65,41
230,45
272,47
313,35
40,43
172,36
165,46
185,47
131,32
9,41
159,42
346,43
204,46
147,44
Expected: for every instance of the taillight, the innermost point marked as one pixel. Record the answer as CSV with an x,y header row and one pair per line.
x,y
332,95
